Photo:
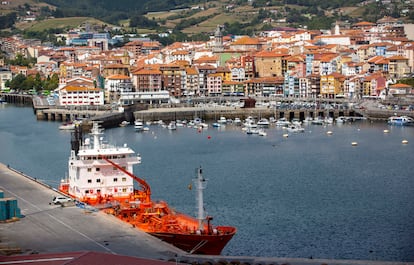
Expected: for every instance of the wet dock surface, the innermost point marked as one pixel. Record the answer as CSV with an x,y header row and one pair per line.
x,y
48,228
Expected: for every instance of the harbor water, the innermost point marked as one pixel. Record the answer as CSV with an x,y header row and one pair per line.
x,y
311,194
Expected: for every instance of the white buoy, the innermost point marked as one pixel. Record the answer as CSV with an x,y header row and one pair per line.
x,y
329,132
354,143
286,135
404,141
386,131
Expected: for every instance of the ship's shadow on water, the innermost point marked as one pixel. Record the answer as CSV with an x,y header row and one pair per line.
x,y
310,194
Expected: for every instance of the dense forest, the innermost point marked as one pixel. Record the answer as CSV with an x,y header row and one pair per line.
x,y
113,11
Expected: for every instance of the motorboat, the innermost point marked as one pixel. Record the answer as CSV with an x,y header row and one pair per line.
x,y
295,128
70,125
328,120
282,122
263,122
308,120
138,125
262,132
124,123
296,121
222,120
172,126
341,119
401,120
318,121
237,121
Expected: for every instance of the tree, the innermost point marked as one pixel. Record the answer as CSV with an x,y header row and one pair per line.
x,y
17,82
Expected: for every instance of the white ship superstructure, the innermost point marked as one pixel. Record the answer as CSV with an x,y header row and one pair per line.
x,y
91,177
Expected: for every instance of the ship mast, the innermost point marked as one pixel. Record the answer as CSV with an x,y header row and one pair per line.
x,y
201,184
96,132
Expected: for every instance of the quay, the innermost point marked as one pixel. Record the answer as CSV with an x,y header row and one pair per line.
x,y
46,229
214,113
200,108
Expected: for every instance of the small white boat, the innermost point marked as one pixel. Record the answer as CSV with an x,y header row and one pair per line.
x,y
216,124
328,120
70,125
308,120
124,123
262,132
172,126
296,121
222,120
317,121
263,122
139,125
250,130
67,126
295,128
237,121
282,122
401,120
341,119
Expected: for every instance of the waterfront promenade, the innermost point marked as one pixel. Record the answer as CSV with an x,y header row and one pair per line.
x,y
47,228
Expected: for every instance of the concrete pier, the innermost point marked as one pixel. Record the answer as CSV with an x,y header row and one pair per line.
x,y
213,114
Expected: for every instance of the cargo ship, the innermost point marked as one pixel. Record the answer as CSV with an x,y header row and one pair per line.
x,y
101,175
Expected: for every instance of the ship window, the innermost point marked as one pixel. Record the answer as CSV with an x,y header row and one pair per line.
x,y
123,179
89,169
86,191
89,181
98,180
98,169
124,189
98,191
115,179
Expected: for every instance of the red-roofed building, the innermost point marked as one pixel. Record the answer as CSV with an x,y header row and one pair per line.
x,y
269,64
246,44
80,96
147,79
398,66
398,90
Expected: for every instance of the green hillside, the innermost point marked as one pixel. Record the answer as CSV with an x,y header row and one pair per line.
x,y
194,19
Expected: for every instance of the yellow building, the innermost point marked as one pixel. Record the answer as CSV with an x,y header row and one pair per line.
x,y
332,85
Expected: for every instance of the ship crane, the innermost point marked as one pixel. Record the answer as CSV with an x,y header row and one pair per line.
x,y
146,188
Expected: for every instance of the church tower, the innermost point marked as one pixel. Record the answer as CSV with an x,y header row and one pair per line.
x,y
218,40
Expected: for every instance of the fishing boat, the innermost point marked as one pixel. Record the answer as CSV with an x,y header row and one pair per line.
x,y
101,175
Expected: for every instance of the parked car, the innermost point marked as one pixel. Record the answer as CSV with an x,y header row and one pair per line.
x,y
61,199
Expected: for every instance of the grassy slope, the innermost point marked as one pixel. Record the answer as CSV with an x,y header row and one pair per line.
x,y
241,14
71,22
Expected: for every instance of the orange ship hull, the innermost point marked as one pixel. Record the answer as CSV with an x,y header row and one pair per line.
x,y
178,229
199,244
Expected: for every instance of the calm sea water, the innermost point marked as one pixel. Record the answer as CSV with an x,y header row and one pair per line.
x,y
308,195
